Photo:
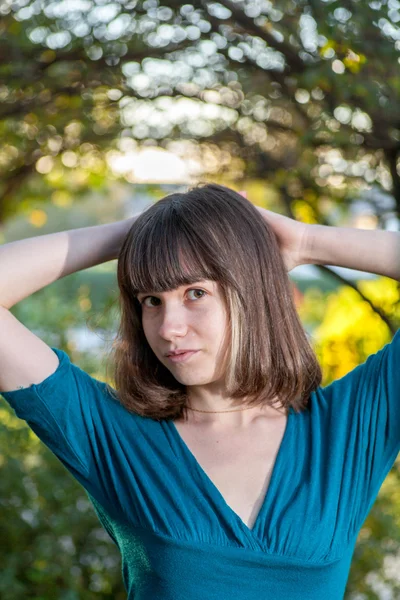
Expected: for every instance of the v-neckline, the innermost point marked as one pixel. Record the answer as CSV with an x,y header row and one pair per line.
x,y
276,470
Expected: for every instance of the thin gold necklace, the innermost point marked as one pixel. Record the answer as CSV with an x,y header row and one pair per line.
x,y
219,411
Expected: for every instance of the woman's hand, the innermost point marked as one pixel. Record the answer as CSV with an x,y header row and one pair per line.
x,y
293,236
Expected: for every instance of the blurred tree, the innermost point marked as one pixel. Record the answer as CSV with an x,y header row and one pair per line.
x,y
306,93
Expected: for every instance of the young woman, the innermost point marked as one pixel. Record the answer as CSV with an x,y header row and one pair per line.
x,y
218,465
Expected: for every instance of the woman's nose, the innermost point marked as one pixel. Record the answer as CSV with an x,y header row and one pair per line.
x,y
173,323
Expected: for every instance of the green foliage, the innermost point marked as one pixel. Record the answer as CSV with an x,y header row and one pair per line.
x,y
52,545
305,89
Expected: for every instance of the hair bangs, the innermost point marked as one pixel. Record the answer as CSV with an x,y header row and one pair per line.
x,y
165,256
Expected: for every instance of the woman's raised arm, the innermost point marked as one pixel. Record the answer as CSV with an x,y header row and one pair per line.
x,y
372,251
28,265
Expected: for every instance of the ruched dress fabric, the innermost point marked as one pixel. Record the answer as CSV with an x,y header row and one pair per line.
x,y
178,538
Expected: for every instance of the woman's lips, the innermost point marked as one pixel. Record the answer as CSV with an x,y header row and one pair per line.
x,y
178,358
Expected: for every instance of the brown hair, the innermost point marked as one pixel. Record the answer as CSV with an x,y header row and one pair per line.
x,y
222,237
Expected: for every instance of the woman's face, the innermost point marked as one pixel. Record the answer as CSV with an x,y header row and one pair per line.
x,y
192,317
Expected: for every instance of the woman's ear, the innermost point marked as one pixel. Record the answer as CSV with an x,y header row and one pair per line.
x,y
244,194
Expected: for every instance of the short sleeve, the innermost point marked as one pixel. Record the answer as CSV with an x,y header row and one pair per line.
x,y
363,418
70,411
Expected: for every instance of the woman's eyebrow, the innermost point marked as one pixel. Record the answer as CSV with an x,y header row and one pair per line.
x,y
186,285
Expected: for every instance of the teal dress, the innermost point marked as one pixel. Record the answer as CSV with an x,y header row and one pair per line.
x,y
178,538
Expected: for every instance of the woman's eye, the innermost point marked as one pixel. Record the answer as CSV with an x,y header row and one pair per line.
x,y
143,302
201,292
150,298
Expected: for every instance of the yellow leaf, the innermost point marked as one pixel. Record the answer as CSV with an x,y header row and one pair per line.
x,y
85,304
61,198
38,218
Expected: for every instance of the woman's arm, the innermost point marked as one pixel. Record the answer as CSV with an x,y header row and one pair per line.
x,y
373,251
28,265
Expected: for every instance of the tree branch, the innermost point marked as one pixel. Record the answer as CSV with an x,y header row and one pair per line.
x,y
14,181
392,326
247,23
392,157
